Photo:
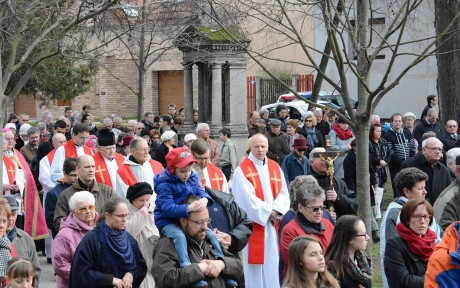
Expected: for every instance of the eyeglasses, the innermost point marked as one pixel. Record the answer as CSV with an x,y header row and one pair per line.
x,y
434,149
308,121
315,208
90,208
156,137
123,216
201,222
420,217
302,150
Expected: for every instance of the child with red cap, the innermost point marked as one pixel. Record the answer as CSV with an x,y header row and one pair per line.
x,y
173,185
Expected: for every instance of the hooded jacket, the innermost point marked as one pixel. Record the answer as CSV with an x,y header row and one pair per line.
x,y
444,264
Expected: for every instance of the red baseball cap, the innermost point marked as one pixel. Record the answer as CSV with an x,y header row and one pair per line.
x,y
179,158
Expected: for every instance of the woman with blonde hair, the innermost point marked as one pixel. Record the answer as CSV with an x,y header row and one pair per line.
x,y
307,267
291,130
314,136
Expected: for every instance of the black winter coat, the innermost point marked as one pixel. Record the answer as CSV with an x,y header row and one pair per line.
x,y
241,227
402,268
438,175
378,151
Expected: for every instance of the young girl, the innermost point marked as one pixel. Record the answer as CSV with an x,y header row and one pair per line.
x,y
306,267
20,273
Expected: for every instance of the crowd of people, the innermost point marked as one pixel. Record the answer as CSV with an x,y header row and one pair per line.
x,y
143,204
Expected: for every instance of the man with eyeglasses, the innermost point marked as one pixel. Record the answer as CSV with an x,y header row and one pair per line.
x,y
214,177
137,167
403,146
343,199
205,265
296,163
450,137
429,162
86,181
411,185
107,159
72,149
254,124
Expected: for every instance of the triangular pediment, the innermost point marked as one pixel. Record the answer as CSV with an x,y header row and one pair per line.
x,y
198,37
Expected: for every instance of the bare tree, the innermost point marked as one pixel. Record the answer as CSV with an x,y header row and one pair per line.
x,y
352,47
33,31
145,33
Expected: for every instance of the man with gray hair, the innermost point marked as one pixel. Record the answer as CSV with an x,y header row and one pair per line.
x,y
451,157
450,137
46,118
254,124
107,123
429,123
428,162
118,123
203,132
30,149
137,167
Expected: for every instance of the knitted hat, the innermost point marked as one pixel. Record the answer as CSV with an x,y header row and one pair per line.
x,y
105,137
167,135
179,158
410,114
24,128
137,190
11,126
189,136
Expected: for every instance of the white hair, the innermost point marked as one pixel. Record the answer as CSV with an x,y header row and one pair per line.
x,y
451,155
108,121
133,122
429,139
201,126
81,196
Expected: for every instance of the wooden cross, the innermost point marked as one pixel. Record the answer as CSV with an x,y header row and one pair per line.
x,y
276,179
11,171
252,175
217,179
329,158
100,171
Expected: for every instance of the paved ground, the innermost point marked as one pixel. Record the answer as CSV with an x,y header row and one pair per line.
x,y
47,279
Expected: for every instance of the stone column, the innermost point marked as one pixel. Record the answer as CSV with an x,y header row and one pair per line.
x,y
216,100
238,106
188,97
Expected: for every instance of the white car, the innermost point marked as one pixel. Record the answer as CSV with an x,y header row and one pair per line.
x,y
297,109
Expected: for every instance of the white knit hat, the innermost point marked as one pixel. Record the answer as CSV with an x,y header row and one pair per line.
x,y
11,126
167,135
24,128
189,136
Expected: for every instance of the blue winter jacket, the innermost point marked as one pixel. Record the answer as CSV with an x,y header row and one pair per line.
x,y
171,192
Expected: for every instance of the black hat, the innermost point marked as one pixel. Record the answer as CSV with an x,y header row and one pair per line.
x,y
145,132
138,190
12,202
105,137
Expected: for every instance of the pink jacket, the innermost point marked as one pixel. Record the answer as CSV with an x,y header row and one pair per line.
x,y
64,245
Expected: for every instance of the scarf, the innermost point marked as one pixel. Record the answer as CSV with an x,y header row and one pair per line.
x,y
119,246
421,246
311,137
5,254
12,234
305,224
343,134
360,270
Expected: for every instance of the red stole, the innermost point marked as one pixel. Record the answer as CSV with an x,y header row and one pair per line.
x,y
102,173
10,169
34,218
128,176
216,177
51,156
256,243
71,150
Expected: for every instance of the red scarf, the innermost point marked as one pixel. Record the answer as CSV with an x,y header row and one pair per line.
x,y
343,134
420,246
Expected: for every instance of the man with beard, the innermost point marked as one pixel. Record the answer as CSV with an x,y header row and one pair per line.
x,y
30,149
205,266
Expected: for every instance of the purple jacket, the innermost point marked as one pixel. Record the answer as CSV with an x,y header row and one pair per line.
x,y
64,245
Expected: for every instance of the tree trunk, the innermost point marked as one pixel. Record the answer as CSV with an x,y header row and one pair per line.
x,y
448,60
141,66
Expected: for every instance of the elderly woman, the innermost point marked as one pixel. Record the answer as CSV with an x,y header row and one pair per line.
x,y
7,249
314,136
308,220
167,146
346,258
264,116
341,137
142,226
291,130
80,221
407,253
409,120
108,256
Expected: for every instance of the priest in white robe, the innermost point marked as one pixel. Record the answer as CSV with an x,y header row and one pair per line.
x,y
260,190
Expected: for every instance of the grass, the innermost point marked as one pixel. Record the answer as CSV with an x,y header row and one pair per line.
x,y
377,279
